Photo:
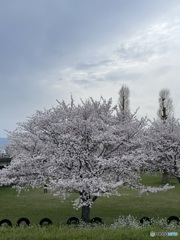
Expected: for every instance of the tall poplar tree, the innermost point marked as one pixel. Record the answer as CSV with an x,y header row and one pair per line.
x,y
124,101
165,112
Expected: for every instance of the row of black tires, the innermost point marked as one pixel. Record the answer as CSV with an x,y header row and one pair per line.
x,y
46,221
75,220
26,221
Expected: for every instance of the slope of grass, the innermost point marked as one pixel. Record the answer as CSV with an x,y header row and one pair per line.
x,y
36,205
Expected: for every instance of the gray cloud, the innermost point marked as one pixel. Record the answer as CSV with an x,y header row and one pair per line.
x,y
89,66
83,82
134,52
49,49
37,34
164,70
121,75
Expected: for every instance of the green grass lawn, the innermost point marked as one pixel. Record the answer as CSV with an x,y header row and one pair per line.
x,y
55,233
36,205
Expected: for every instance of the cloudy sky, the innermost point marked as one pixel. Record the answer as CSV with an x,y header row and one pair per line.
x,y
50,49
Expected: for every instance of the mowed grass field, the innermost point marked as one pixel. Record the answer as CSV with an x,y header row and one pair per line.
x,y
64,233
36,205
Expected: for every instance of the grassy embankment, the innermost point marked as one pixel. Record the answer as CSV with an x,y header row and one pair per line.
x,y
35,205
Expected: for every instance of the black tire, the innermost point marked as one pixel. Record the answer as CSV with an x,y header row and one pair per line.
x,y
173,218
26,220
73,220
45,220
7,221
145,219
97,220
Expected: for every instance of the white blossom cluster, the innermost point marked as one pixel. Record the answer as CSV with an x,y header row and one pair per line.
x,y
133,222
162,142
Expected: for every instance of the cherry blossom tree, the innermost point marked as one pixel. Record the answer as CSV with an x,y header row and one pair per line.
x,y
163,147
84,148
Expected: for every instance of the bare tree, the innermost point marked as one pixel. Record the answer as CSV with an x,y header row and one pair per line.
x,y
165,110
123,101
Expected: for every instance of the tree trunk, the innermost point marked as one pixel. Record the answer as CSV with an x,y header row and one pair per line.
x,y
165,176
178,178
176,174
85,214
